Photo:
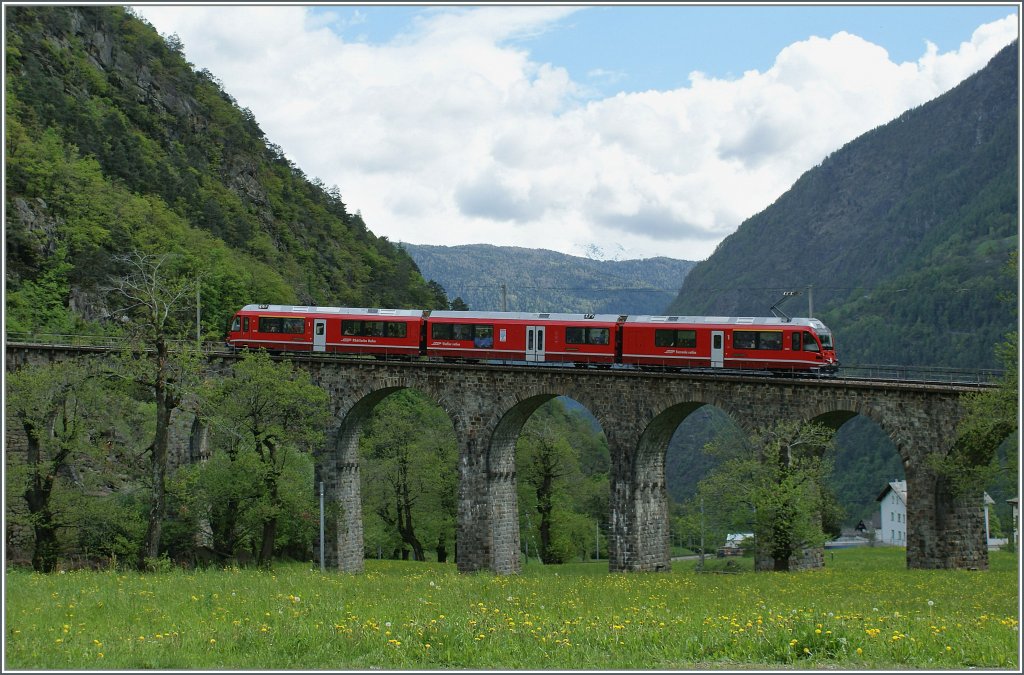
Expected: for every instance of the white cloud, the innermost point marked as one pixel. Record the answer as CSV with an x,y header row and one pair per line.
x,y
452,134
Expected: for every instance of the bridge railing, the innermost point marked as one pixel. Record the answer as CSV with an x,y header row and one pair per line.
x,y
96,341
855,371
920,374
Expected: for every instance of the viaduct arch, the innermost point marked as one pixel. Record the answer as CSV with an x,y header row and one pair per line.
x,y
638,412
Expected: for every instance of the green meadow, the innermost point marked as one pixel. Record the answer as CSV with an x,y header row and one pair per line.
x,y
864,610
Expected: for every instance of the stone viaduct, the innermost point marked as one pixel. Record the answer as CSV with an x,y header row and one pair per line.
x,y
638,412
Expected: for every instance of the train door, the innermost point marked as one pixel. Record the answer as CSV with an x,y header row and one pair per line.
x,y
319,335
535,344
717,349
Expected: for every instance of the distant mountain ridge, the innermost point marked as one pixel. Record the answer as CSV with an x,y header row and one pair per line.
x,y
904,234
538,280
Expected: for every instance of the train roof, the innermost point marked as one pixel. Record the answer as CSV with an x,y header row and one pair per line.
x,y
314,309
730,320
526,316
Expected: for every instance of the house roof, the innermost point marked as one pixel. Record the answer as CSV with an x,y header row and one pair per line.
x,y
897,486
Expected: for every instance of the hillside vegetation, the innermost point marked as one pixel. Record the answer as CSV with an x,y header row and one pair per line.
x,y
538,280
114,142
903,234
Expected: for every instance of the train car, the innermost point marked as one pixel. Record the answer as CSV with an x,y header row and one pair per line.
x,y
742,343
377,332
581,339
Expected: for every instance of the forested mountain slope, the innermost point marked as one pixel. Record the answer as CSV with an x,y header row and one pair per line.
x,y
114,142
904,234
538,280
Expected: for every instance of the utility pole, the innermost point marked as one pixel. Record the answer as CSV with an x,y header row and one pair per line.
x,y
701,564
322,567
504,298
810,301
198,314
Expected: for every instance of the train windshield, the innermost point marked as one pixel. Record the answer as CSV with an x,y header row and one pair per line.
x,y
826,339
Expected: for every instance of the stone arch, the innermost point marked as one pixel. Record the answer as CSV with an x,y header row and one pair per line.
x,y
337,466
646,506
511,413
834,414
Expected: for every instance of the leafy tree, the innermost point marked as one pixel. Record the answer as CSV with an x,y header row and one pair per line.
x,y
154,299
775,485
562,469
79,435
56,407
409,489
273,412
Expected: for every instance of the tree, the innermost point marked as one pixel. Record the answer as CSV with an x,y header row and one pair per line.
x,y
775,484
275,412
52,403
409,475
154,297
77,431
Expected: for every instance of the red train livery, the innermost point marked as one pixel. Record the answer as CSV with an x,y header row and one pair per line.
x,y
605,340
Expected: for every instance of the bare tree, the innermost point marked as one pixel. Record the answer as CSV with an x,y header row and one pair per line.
x,y
155,297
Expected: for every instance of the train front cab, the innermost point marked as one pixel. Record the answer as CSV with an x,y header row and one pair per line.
x,y
766,344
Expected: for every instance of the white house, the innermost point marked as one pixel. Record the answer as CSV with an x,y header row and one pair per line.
x,y
893,510
892,529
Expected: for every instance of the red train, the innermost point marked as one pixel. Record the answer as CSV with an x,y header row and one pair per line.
x,y
664,342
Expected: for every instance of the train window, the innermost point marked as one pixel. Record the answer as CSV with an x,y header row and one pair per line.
x,y
391,329
664,337
586,336
744,339
483,336
810,344
236,324
686,338
826,340
765,339
770,340
245,325
279,324
320,329
796,342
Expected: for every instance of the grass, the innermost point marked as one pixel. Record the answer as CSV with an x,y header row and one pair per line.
x,y
865,610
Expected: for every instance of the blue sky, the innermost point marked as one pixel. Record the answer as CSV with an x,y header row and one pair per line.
x,y
615,131
655,47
